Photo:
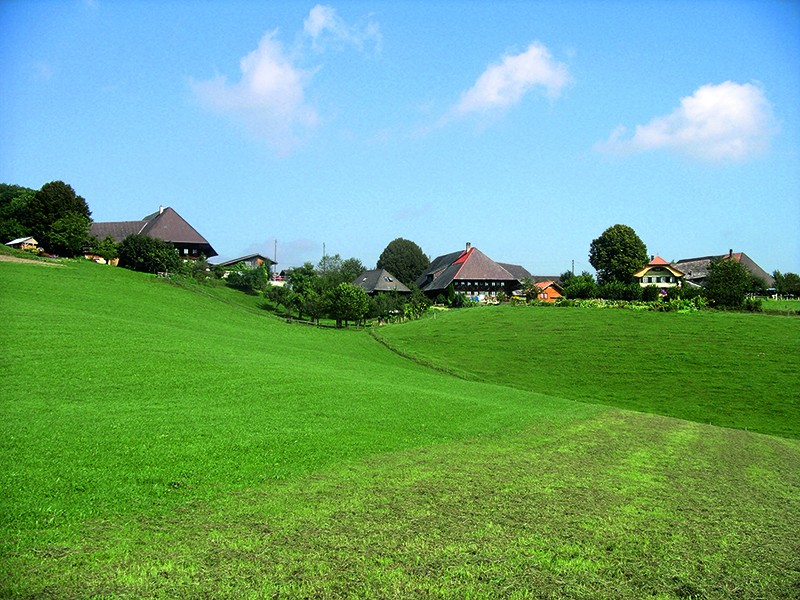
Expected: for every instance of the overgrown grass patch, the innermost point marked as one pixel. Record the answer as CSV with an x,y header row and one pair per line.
x,y
729,369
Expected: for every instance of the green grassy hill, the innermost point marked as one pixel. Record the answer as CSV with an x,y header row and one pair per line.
x,y
730,369
156,442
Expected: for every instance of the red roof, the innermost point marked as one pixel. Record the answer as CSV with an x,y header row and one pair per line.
x,y
658,261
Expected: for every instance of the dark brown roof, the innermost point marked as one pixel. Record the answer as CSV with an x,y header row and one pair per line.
x,y
380,280
518,271
165,224
470,264
696,269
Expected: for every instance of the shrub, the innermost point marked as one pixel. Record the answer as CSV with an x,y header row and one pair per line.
x,y
753,305
727,284
248,279
617,290
149,255
651,293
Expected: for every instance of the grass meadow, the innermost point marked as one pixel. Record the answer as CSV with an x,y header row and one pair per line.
x,y
158,442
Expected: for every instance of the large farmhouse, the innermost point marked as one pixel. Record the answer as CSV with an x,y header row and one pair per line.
x,y
166,225
696,269
470,272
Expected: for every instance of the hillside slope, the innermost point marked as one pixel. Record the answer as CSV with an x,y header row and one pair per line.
x,y
159,443
728,369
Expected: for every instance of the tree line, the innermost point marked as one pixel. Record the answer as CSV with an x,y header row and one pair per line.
x,y
59,219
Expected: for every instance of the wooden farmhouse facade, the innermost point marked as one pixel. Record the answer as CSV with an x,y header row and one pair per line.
x,y
469,272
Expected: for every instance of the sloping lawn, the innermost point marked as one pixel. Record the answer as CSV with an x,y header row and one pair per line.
x,y
728,369
156,442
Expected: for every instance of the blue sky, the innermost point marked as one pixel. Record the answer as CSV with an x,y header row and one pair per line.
x,y
525,128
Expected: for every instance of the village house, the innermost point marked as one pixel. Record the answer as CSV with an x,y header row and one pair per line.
x,y
470,272
659,273
377,281
548,291
24,243
166,225
696,269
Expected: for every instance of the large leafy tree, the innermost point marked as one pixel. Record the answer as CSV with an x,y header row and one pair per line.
x,y
333,270
617,254
13,208
58,218
404,259
347,302
787,284
727,283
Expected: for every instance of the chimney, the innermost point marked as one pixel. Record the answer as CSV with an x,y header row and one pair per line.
x,y
469,245
160,210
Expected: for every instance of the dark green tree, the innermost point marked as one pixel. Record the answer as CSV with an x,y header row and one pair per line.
x,y
404,259
787,284
333,270
149,255
68,235
106,248
727,283
617,254
52,217
14,201
580,287
303,281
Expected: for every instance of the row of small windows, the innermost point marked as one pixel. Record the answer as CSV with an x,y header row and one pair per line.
x,y
664,279
477,284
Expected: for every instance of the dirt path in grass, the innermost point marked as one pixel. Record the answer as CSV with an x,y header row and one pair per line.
x,y
10,258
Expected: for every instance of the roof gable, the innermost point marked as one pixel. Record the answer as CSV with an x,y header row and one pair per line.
x,y
466,265
659,264
380,280
165,224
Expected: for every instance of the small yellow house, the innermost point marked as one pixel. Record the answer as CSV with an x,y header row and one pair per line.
x,y
659,273
24,243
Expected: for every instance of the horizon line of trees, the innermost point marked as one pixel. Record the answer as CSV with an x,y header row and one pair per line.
x,y
59,219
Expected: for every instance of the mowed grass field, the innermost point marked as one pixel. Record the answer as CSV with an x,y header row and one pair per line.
x,y
731,369
156,442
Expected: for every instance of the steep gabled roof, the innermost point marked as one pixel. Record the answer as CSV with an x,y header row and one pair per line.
x,y
659,263
118,230
696,269
543,285
468,265
169,226
234,261
165,224
380,280
518,271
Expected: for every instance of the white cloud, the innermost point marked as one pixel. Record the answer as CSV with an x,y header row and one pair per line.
x,y
269,99
504,84
725,122
325,27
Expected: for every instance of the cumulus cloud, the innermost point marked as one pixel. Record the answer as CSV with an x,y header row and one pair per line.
x,y
269,98
325,27
505,83
725,122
